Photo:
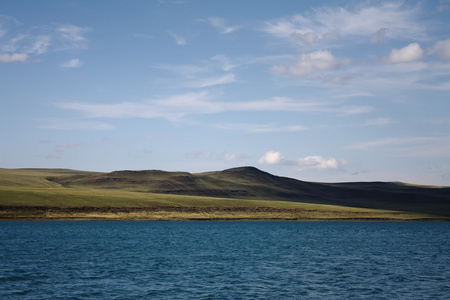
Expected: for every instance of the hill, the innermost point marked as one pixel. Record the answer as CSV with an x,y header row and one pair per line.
x,y
252,183
237,187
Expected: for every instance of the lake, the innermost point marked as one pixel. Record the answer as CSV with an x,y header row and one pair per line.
x,y
224,260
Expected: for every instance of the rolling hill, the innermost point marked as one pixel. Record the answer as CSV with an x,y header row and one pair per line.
x,y
246,186
252,183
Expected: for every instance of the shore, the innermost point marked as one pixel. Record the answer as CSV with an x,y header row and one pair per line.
x,y
41,213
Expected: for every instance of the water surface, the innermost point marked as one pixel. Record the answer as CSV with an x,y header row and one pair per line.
x,y
225,260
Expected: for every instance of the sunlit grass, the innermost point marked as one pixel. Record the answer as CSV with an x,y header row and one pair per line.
x,y
93,198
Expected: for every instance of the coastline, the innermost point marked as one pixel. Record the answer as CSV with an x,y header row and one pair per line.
x,y
179,213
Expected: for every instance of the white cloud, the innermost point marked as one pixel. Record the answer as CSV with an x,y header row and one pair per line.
x,y
219,23
409,53
308,63
13,57
378,35
271,158
74,63
178,39
441,48
313,162
320,163
400,20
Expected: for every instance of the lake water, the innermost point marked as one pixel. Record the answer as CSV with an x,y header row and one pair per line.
x,y
224,260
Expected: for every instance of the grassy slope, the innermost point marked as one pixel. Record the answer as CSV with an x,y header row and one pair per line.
x,y
29,187
251,183
238,188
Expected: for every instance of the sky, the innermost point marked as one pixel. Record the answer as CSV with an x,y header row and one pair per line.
x,y
327,91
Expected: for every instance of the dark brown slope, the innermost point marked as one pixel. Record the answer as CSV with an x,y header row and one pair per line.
x,y
252,183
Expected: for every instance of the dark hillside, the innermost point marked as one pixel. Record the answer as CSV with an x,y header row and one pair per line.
x,y
252,183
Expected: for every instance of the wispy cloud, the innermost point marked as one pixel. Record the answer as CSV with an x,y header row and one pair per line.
x,y
38,45
351,27
378,35
234,156
73,63
213,71
444,5
229,157
398,19
411,146
260,128
13,57
219,23
312,162
17,42
309,63
226,63
71,37
441,48
187,71
67,145
378,122
55,155
200,154
307,38
74,125
206,82
440,121
390,141
178,38
6,24
178,106
207,74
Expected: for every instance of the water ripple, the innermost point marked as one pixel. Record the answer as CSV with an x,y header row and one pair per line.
x,y
224,260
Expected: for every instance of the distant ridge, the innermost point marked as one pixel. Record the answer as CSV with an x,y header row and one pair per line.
x,y
251,183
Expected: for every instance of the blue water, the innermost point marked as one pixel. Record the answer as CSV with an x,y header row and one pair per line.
x,y
224,260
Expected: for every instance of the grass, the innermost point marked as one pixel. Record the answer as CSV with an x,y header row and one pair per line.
x,y
27,194
216,215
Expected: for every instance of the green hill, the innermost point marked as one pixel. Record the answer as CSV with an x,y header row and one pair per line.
x,y
242,187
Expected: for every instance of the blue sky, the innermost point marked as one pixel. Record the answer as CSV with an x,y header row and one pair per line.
x,y
324,91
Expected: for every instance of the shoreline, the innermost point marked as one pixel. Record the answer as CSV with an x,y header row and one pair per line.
x,y
179,213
